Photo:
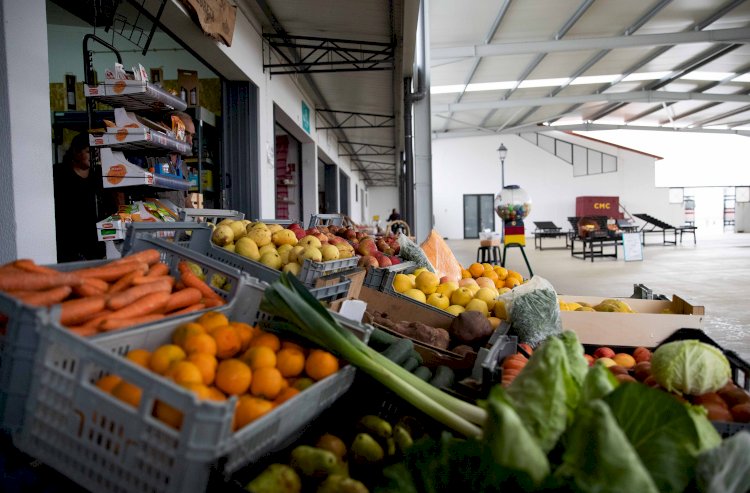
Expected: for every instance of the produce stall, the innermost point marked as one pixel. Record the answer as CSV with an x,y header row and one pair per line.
x,y
205,359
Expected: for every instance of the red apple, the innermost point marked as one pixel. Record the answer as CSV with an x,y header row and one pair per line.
x,y
590,359
367,247
350,234
641,354
299,233
312,231
335,240
603,352
368,261
394,260
384,261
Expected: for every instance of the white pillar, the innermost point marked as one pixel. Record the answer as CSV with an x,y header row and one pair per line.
x,y
27,211
423,216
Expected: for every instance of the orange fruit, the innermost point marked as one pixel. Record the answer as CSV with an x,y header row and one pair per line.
x,y
501,272
212,320
140,357
290,362
245,331
249,409
108,382
285,395
266,339
476,269
512,282
202,391
260,357
228,342
517,275
320,364
491,274
215,394
207,364
465,274
266,383
168,414
293,345
499,283
128,393
163,357
486,266
199,343
181,332
233,377
185,372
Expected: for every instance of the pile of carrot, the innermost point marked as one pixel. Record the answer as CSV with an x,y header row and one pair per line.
x,y
130,291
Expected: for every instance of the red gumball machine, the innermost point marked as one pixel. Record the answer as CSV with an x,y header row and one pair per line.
x,y
513,205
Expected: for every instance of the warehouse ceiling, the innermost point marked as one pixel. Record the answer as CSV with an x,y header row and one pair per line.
x,y
350,58
513,66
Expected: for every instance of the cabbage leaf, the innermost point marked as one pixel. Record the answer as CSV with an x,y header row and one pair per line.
x,y
690,367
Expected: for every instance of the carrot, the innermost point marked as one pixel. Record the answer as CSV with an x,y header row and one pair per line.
x,y
111,272
189,309
129,296
181,299
193,281
30,266
83,331
158,269
146,279
74,311
125,281
87,289
144,305
34,281
150,256
179,286
211,303
120,323
97,283
94,319
44,298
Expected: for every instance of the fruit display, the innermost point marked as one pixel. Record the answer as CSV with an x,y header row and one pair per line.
x,y
477,290
216,358
134,290
286,249
607,305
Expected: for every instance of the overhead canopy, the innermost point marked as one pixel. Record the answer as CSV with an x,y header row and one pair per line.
x,y
518,65
351,58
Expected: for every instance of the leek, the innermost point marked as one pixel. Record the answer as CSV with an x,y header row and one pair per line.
x,y
289,299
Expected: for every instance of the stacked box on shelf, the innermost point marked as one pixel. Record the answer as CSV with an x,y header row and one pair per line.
x,y
199,241
107,445
19,340
740,368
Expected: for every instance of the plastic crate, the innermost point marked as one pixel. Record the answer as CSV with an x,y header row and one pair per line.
x,y
199,240
377,277
740,369
209,215
20,340
107,445
325,220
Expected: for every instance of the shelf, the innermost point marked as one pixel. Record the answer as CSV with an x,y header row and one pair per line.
x,y
139,139
205,161
134,95
118,172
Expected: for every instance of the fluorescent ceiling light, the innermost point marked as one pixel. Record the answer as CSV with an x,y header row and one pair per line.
x,y
595,79
709,76
491,86
446,89
742,78
544,82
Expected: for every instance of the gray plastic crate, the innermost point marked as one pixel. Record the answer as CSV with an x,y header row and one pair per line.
x,y
325,220
489,370
377,276
198,239
20,340
209,215
107,445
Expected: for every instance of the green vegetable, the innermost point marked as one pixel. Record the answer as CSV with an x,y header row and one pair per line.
x,y
598,456
289,299
410,364
366,450
380,339
508,440
375,425
662,431
579,367
444,377
726,468
545,394
336,483
276,478
599,382
313,462
390,447
423,373
690,367
402,438
400,351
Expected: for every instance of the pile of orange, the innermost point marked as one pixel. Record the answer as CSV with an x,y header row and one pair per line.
x,y
215,358
500,276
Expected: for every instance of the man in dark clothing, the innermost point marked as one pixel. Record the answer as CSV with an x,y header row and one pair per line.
x,y
77,186
395,216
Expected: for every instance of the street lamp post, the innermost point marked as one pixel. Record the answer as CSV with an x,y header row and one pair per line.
x,y
503,152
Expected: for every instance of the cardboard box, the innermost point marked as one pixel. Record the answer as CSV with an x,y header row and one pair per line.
x,y
647,327
187,80
400,309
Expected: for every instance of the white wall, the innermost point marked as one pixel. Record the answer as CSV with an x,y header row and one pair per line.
x,y
382,201
471,166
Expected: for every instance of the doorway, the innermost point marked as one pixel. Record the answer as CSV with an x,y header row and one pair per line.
x,y
288,156
479,214
343,193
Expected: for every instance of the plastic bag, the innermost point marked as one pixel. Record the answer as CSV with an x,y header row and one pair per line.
x,y
533,310
411,251
441,256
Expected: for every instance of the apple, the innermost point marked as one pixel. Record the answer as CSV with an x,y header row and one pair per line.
x,y
367,247
350,234
368,261
641,354
394,259
312,231
384,261
603,352
438,301
299,233
590,359
606,362
624,359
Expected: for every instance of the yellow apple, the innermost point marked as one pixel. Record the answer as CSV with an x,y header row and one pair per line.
x,y
447,288
329,252
402,282
267,248
499,310
419,270
247,248
310,252
271,259
438,301
455,310
427,282
295,252
461,296
310,240
487,295
416,294
477,305
292,267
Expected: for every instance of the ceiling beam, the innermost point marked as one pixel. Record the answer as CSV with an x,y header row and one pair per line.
x,y
614,97
591,127
733,35
722,116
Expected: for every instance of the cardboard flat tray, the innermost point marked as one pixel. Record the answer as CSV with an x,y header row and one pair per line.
x,y
647,327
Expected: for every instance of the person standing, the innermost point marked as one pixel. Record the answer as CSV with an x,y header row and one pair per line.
x,y
395,216
77,204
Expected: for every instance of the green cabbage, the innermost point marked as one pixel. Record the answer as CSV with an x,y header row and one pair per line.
x,y
690,367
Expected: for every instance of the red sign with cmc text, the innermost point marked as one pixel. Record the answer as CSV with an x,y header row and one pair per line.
x,y
598,206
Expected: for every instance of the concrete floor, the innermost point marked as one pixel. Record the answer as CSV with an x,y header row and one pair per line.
x,y
714,273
